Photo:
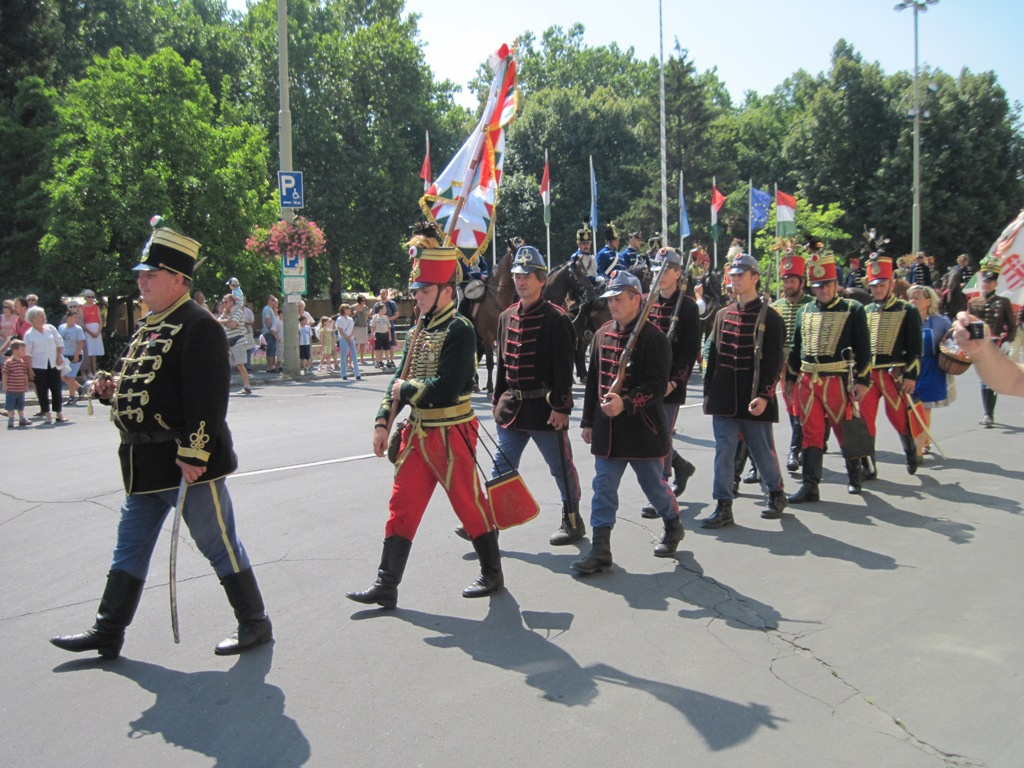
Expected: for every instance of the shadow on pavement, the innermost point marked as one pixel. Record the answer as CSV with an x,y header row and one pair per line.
x,y
234,717
511,639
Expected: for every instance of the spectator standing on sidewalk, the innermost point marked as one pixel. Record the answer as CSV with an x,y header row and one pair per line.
x,y
74,351
232,320
345,326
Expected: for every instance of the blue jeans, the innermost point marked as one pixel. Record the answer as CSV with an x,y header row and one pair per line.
x,y
607,476
760,439
210,518
348,347
511,444
671,412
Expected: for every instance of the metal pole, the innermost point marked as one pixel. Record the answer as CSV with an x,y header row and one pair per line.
x,y
284,124
916,231
664,165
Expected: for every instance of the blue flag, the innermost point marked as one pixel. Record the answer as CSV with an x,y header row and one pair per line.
x,y
684,220
593,199
760,202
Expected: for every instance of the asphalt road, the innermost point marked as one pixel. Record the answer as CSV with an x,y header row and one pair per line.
x,y
874,630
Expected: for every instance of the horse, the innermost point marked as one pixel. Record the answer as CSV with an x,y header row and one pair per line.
x,y
499,293
569,287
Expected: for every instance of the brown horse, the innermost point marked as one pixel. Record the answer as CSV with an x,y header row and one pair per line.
x,y
499,294
569,287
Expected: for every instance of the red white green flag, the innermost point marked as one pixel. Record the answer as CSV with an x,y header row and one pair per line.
x,y
545,190
463,198
717,201
785,214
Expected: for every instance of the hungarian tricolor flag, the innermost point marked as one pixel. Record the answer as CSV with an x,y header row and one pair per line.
x,y
785,214
463,198
717,201
545,190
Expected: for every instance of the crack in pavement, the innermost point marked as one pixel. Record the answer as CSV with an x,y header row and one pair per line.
x,y
769,626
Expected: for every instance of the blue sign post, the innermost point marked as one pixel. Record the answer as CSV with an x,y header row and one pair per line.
x,y
289,184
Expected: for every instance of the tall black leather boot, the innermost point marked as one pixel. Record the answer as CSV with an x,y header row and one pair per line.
x,y
683,470
600,556
491,579
793,460
869,469
853,475
808,490
117,609
670,538
910,451
254,626
572,528
384,591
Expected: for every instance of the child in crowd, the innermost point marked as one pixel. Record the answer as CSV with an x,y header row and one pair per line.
x,y
15,381
380,326
328,344
305,346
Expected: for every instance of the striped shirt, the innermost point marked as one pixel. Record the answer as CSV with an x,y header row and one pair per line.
x,y
15,375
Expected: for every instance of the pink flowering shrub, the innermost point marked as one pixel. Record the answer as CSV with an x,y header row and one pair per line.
x,y
300,238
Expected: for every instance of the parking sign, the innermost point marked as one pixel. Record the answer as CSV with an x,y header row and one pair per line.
x,y
289,184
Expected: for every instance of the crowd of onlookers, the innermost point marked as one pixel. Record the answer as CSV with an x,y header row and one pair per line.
x,y
50,358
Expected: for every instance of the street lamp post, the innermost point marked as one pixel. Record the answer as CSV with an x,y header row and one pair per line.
x,y
918,6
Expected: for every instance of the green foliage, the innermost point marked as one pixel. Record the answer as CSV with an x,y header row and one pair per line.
x,y
138,137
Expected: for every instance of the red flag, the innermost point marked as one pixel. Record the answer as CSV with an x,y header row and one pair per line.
x,y
545,190
425,170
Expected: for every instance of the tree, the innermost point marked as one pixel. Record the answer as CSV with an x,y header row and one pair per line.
x,y
139,137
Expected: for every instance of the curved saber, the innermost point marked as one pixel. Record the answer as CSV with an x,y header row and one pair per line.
x,y
173,581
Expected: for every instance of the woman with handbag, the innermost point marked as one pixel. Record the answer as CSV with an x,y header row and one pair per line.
x,y
932,385
44,350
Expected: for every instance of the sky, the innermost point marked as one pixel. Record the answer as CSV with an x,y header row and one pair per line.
x,y
753,44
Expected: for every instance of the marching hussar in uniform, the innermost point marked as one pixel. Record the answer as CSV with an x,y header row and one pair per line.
x,y
745,362
168,398
895,328
533,391
826,331
793,299
624,420
675,314
438,443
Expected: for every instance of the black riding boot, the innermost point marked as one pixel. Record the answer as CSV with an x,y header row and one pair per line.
x,y
572,528
793,460
384,591
491,578
869,469
254,626
684,471
670,539
910,450
721,517
853,475
600,556
808,490
117,609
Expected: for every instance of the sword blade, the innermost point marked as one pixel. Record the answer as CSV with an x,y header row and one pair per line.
x,y
173,579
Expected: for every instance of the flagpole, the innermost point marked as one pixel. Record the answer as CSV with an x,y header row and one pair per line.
x,y
750,216
664,166
714,186
547,210
426,166
778,253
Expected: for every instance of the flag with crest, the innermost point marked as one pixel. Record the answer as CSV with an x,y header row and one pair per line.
x,y
463,198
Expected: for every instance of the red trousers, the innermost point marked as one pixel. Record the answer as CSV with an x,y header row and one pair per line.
x,y
884,384
820,400
432,455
